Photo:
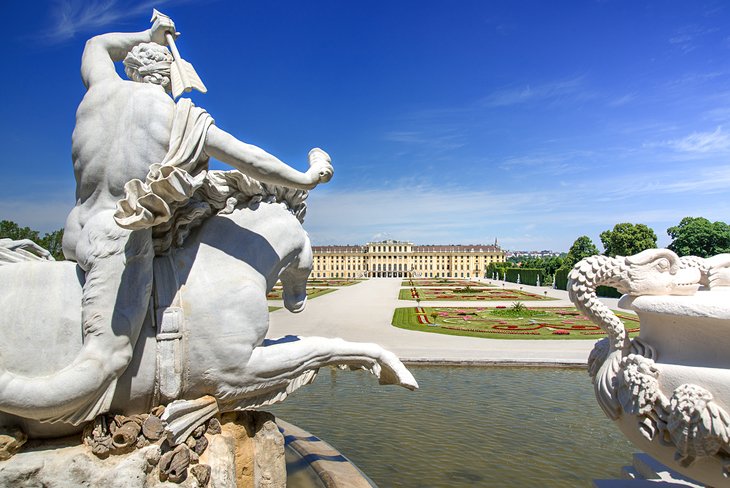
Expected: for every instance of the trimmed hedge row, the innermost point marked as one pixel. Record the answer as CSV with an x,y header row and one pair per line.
x,y
499,268
528,276
561,283
561,278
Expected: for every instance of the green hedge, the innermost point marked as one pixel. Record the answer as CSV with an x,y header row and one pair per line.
x,y
608,292
528,276
561,283
499,268
561,278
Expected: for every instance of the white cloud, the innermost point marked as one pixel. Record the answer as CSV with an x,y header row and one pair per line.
x,y
686,37
555,164
534,93
550,218
436,138
73,17
702,142
623,100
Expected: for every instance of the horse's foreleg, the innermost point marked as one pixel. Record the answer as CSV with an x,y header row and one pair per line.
x,y
279,367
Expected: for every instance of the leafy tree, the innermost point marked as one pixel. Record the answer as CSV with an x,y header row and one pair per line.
x,y
51,241
11,230
583,247
628,239
697,236
549,264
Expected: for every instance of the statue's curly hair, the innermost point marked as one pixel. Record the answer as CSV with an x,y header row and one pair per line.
x,y
149,62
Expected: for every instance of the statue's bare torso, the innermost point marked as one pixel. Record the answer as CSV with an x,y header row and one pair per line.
x,y
122,127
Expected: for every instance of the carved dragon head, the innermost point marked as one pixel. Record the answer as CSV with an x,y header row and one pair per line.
x,y
656,272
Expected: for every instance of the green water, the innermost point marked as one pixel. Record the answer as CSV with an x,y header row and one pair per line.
x,y
465,427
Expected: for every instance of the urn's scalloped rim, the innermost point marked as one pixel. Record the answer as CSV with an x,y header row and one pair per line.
x,y
704,304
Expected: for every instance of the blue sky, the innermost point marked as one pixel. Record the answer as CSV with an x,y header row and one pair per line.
x,y
448,122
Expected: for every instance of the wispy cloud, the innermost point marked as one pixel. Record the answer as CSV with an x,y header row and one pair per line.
x,y
70,18
551,164
623,100
702,142
438,213
448,139
534,93
685,38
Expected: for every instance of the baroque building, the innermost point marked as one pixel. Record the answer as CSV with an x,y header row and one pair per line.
x,y
404,259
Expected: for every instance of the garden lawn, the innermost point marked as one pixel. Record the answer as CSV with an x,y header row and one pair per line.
x,y
474,294
275,294
502,323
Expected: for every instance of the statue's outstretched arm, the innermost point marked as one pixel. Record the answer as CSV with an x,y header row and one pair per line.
x,y
102,51
257,163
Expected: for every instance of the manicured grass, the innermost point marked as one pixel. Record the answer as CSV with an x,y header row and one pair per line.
x,y
333,282
274,309
531,323
275,294
473,294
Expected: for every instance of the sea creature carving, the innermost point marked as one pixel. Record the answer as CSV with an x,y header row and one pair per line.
x,y
624,372
651,272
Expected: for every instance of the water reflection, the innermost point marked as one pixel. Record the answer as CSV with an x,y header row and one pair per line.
x,y
465,427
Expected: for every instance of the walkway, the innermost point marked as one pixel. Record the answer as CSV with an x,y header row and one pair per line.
x,y
363,313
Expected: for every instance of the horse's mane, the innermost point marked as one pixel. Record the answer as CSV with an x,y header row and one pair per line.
x,y
221,193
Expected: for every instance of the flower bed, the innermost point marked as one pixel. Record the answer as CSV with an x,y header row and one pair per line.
x,y
542,322
486,294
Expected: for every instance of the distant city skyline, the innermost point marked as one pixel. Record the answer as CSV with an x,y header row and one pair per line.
x,y
535,122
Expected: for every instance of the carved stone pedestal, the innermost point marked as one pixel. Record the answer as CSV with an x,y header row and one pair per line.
x,y
247,450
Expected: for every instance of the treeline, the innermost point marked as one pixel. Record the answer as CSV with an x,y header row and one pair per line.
x,y
51,241
693,236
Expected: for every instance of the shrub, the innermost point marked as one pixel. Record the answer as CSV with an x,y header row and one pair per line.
x,y
528,276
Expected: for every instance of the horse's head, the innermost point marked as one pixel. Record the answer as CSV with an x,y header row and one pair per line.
x,y
294,277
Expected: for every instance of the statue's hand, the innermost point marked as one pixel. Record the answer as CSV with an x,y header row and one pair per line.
x,y
320,167
162,25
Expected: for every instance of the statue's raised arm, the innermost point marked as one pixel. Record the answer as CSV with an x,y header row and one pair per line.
x,y
102,51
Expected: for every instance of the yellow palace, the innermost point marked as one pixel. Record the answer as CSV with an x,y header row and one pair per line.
x,y
395,259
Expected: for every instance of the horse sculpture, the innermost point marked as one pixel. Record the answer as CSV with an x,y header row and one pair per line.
x,y
205,333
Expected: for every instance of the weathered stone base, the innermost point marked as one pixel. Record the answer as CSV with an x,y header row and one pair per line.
x,y
247,453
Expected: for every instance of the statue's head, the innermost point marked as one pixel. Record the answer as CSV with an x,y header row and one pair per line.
x,y
149,62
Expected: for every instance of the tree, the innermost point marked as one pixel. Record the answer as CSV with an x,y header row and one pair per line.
x,y
583,247
697,236
628,239
51,241
11,230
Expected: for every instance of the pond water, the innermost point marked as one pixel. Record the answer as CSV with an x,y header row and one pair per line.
x,y
465,427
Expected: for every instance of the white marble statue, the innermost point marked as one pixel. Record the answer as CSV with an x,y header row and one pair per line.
x,y
668,390
215,242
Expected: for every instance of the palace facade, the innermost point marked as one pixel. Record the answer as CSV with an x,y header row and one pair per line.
x,y
403,259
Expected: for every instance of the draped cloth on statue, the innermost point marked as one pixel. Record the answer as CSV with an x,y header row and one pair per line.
x,y
170,184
